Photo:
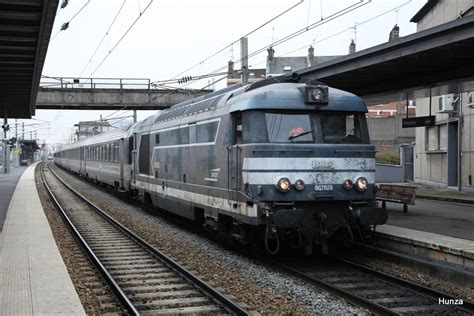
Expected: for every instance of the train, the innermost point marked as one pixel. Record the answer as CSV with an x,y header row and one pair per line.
x,y
284,161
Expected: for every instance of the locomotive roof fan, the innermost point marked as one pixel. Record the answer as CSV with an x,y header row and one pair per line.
x,y
316,93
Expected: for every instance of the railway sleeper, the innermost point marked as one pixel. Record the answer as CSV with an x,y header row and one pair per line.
x,y
193,310
144,271
423,309
152,282
391,292
136,254
137,267
356,285
119,246
127,278
123,258
346,279
167,294
130,263
402,301
152,289
177,303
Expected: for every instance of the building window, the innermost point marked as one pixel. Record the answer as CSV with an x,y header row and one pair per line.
x,y
437,138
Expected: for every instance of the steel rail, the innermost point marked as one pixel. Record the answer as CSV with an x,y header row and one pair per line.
x,y
105,273
467,307
219,298
374,307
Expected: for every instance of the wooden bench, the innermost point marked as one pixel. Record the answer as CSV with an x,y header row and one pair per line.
x,y
396,193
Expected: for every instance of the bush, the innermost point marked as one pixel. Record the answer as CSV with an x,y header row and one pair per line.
x,y
388,157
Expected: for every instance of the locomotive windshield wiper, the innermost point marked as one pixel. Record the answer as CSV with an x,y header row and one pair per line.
x,y
298,135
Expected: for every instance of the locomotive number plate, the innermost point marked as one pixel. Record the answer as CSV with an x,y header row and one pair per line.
x,y
323,187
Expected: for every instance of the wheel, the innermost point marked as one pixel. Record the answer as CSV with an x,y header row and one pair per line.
x,y
405,208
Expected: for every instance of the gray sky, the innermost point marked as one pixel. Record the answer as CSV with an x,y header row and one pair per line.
x,y
173,35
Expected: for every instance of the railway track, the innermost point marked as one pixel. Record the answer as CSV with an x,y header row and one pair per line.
x,y
144,279
379,292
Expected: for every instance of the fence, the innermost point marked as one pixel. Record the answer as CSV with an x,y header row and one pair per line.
x,y
394,164
95,83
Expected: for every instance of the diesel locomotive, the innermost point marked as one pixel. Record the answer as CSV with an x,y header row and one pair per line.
x,y
280,161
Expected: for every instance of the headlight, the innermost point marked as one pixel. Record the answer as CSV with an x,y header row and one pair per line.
x,y
299,184
348,184
318,95
283,185
361,184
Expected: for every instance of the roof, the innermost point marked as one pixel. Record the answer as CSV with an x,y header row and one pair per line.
x,y
290,96
277,67
431,56
113,135
424,9
29,143
197,105
253,73
25,30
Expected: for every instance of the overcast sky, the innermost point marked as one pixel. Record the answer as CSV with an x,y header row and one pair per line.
x,y
173,35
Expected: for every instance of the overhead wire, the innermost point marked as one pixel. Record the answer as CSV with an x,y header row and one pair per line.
x,y
327,19
103,38
344,30
73,17
230,45
121,38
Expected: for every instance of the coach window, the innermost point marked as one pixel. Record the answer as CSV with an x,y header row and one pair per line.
x,y
183,137
130,149
116,151
192,133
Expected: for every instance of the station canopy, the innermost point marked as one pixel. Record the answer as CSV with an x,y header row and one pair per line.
x,y
435,55
25,31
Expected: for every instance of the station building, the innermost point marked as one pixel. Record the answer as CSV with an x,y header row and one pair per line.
x,y
445,151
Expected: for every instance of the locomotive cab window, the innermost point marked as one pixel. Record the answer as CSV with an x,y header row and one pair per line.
x,y
347,128
328,127
288,128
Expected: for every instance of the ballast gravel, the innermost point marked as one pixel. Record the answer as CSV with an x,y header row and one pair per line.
x,y
262,288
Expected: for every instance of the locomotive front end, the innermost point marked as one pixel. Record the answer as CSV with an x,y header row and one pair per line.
x,y
308,164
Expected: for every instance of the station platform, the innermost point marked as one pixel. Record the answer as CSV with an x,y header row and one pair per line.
x,y
438,227
33,277
8,183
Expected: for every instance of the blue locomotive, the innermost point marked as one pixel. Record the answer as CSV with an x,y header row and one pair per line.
x,y
282,160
